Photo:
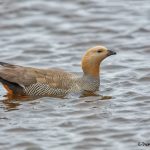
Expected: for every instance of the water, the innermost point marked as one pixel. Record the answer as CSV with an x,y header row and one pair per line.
x,y
57,33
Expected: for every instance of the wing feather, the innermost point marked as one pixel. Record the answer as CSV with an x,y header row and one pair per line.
x,y
26,76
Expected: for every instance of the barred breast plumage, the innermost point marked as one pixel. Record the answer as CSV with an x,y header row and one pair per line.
x,y
21,80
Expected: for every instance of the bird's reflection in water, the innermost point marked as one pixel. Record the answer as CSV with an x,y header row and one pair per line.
x,y
12,102
10,105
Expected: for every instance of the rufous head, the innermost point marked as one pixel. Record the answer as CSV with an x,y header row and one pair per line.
x,y
92,59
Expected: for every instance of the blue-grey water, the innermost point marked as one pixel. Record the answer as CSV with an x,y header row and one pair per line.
x,y
56,33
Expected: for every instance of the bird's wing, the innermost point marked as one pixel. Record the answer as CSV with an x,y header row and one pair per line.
x,y
26,76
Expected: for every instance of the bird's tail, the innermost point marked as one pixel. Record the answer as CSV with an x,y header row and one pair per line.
x,y
11,87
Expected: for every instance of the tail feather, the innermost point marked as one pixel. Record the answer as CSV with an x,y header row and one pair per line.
x,y
7,64
11,87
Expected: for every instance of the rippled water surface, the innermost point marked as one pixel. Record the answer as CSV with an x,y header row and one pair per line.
x,y
55,33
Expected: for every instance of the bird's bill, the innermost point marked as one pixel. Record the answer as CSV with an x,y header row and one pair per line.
x,y
110,52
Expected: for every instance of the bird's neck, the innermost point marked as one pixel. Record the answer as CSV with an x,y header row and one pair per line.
x,y
91,83
91,69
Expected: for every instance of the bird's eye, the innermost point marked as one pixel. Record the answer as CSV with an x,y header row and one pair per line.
x,y
99,51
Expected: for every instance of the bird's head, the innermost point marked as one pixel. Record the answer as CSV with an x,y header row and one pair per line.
x,y
92,59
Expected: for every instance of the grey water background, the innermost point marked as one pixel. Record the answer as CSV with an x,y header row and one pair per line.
x,y
56,33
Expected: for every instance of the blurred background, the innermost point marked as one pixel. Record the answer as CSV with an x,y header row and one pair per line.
x,y
56,33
